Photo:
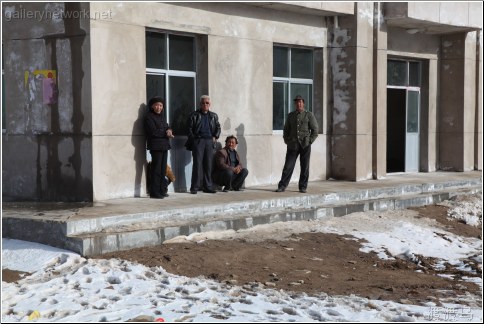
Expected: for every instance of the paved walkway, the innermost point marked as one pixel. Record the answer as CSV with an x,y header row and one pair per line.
x,y
64,211
125,223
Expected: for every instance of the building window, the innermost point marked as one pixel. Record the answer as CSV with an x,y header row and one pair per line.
x,y
171,74
292,75
403,73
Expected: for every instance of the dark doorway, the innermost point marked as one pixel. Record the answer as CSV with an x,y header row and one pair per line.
x,y
396,119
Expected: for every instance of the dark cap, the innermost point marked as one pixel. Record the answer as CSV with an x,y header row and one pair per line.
x,y
298,97
155,100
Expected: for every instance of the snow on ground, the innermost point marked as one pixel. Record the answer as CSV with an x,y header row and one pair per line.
x,y
66,287
466,208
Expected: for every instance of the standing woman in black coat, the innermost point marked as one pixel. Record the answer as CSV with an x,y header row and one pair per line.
x,y
158,135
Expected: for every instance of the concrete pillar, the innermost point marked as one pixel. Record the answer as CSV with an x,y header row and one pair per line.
x,y
379,138
118,103
428,116
478,134
351,61
457,102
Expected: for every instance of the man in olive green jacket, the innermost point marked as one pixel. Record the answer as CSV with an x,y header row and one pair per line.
x,y
300,131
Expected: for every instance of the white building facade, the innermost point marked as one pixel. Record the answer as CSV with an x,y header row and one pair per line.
x,y
395,87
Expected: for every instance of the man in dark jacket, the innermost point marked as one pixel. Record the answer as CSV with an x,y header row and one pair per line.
x,y
300,131
203,132
158,135
229,171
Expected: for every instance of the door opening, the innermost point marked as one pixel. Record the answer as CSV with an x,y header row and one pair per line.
x,y
403,116
396,103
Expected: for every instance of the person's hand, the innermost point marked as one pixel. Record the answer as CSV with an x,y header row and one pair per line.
x,y
169,133
237,169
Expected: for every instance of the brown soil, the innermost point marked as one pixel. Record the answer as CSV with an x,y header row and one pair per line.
x,y
439,213
312,263
12,275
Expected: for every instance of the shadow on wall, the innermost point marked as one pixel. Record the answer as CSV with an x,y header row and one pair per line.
x,y
180,162
58,179
242,146
180,157
216,147
139,148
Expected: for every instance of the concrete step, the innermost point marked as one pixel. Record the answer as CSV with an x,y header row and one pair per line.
x,y
134,237
136,222
233,209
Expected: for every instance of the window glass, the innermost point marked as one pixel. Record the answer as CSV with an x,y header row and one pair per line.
x,y
182,55
414,71
155,50
281,62
182,96
155,86
305,91
172,76
412,111
293,75
397,73
301,63
279,104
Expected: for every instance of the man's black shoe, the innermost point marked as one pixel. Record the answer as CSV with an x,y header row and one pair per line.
x,y
157,197
209,191
165,195
193,192
238,189
280,189
302,190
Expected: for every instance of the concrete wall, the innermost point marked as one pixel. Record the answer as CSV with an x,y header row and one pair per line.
x,y
239,67
447,13
351,62
379,120
321,8
89,144
433,16
46,145
118,99
458,102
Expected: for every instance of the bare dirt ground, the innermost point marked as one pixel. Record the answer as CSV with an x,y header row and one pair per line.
x,y
314,263
311,263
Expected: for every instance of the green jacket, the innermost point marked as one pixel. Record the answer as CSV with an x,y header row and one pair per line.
x,y
300,127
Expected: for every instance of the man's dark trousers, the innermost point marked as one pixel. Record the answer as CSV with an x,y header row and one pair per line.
x,y
291,157
229,179
202,163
